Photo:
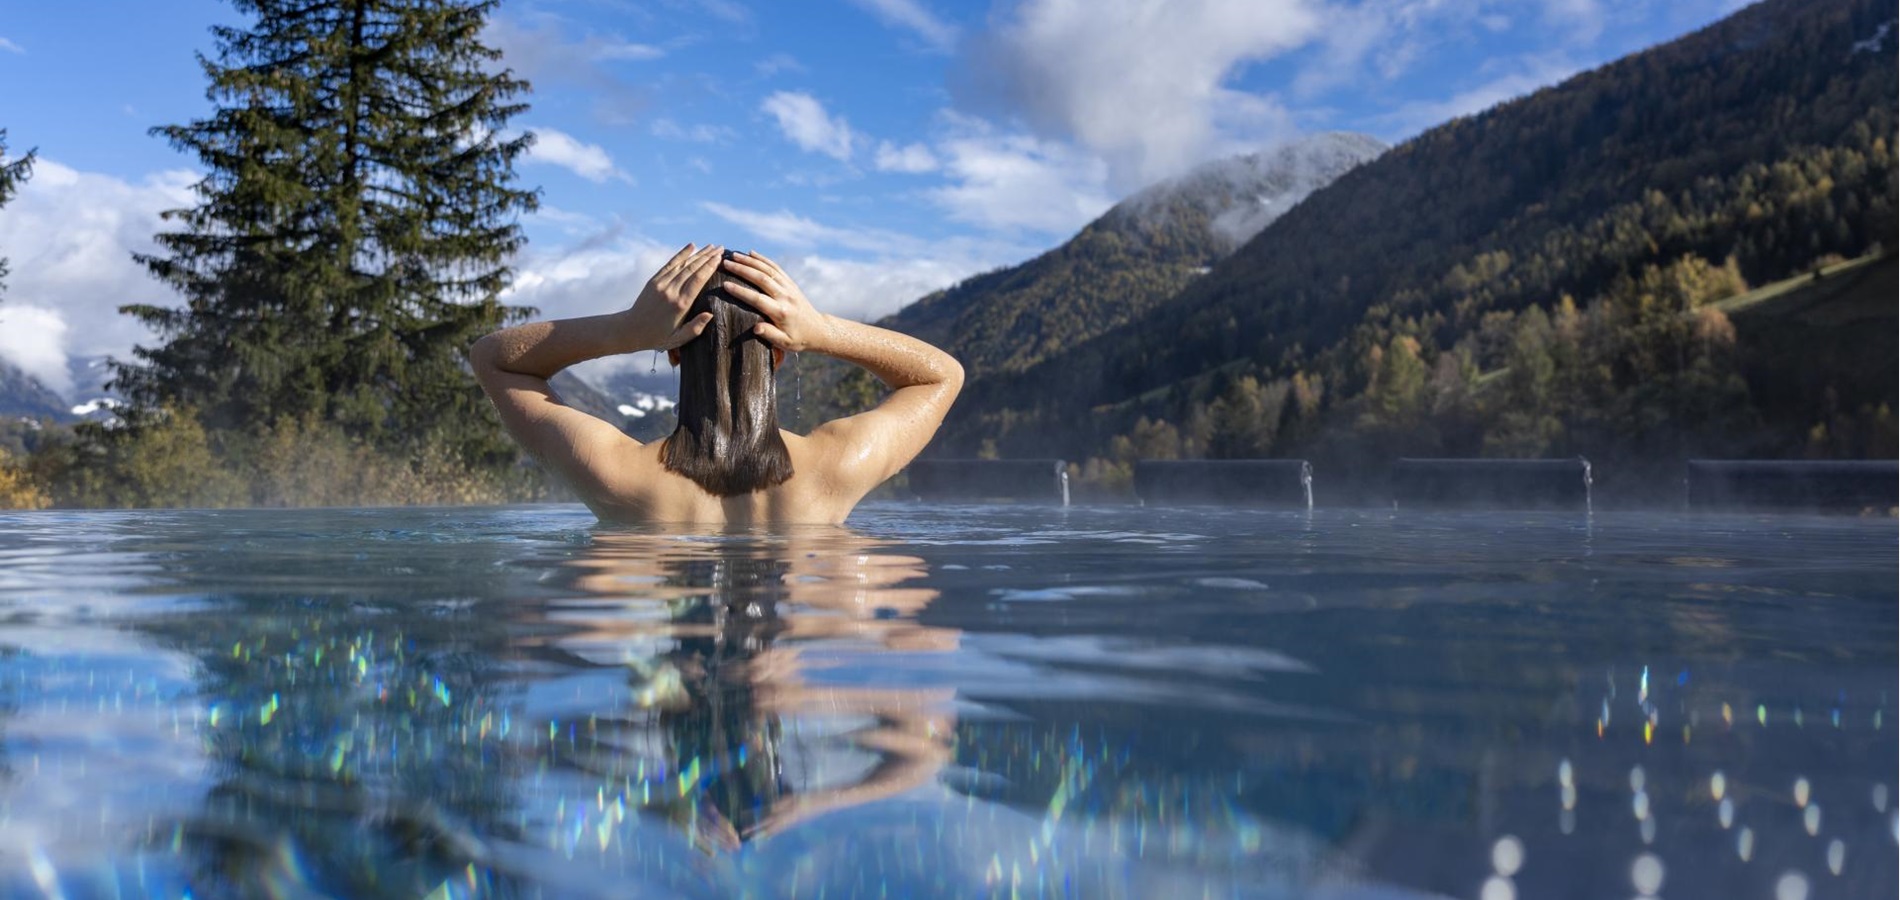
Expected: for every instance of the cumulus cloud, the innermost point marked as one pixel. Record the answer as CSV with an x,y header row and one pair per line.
x,y
33,338
10,46
1141,84
69,237
589,161
1016,181
911,16
914,159
868,290
806,123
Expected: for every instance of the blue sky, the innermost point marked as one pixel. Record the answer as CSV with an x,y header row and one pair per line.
x,y
879,148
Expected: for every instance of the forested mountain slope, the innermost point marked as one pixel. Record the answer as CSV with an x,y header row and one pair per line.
x,y
1763,138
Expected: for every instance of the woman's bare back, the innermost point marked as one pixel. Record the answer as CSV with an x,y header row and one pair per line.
x,y
624,480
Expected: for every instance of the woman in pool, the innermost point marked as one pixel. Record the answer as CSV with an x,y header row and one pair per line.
x,y
727,320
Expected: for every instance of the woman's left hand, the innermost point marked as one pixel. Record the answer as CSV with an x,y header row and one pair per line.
x,y
657,319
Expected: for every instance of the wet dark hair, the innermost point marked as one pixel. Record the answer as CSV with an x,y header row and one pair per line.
x,y
727,440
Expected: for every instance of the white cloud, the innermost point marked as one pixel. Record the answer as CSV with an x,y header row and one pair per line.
x,y
700,134
778,63
589,161
866,273
1581,20
1383,33
34,339
1531,74
913,158
805,123
870,290
69,237
911,16
1020,182
10,46
1141,84
599,274
790,229
618,50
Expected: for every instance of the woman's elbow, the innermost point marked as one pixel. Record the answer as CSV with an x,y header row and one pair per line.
x,y
953,373
484,353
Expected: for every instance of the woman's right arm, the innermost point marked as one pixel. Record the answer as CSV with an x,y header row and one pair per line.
x,y
871,446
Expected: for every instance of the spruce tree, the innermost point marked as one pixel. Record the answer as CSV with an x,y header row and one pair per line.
x,y
353,230
13,173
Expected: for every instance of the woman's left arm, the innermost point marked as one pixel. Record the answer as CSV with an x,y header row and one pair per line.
x,y
514,364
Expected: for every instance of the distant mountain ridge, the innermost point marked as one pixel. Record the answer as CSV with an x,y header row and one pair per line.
x,y
23,395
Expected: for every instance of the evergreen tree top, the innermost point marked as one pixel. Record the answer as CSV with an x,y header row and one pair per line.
x,y
355,226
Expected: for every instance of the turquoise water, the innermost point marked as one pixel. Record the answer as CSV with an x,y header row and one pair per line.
x,y
944,701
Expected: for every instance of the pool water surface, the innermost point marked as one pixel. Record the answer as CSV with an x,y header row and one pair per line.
x,y
948,701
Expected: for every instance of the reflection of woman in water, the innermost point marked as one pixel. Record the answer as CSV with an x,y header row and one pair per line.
x,y
720,698
726,319
709,706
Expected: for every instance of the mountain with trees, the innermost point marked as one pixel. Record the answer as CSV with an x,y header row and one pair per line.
x,y
1142,251
1376,317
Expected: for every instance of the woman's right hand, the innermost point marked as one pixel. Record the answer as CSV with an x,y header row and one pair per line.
x,y
793,324
657,320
